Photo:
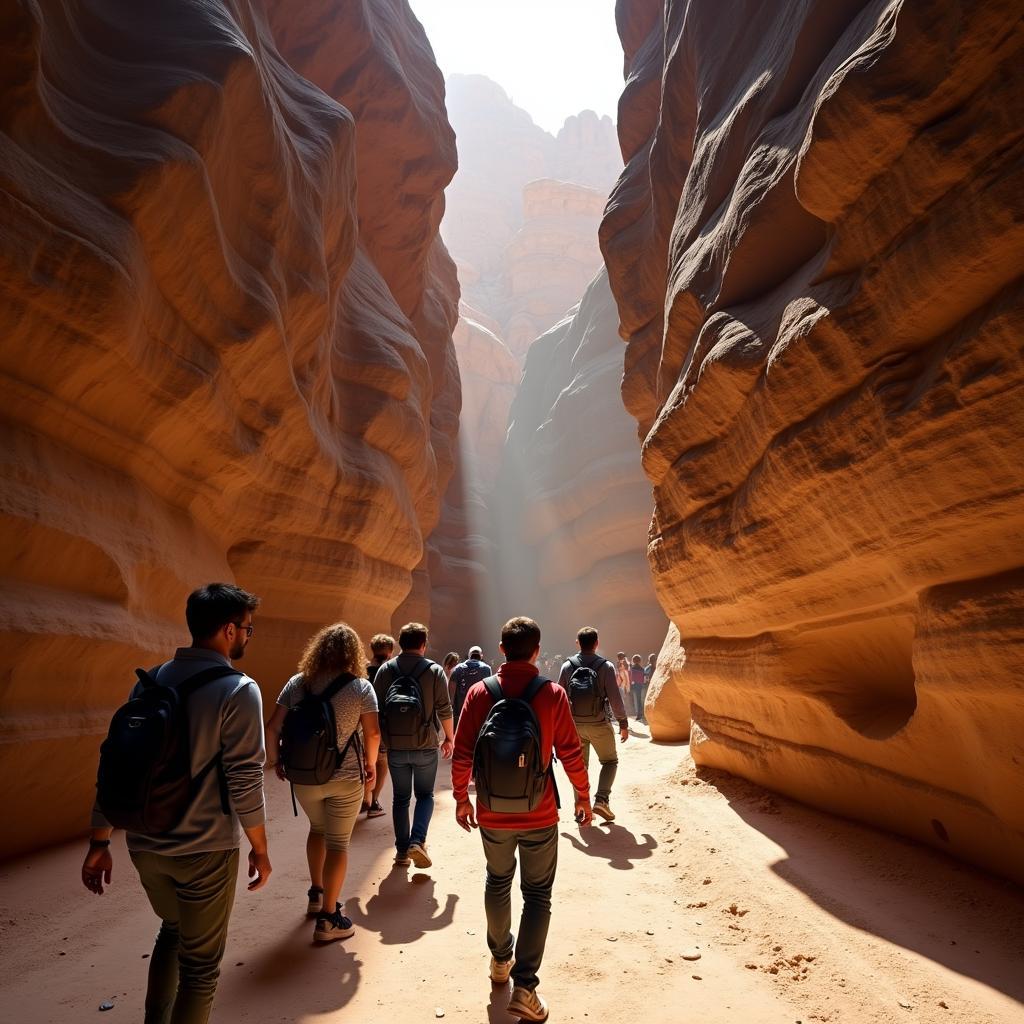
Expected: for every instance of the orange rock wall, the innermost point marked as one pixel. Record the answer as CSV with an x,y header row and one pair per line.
x,y
572,505
227,350
815,248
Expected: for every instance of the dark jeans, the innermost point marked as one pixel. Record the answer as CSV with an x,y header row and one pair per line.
x,y
412,771
193,896
538,858
639,692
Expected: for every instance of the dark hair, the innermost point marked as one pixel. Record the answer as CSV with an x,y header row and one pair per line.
x,y
520,637
213,606
621,655
381,643
451,658
587,638
637,659
413,636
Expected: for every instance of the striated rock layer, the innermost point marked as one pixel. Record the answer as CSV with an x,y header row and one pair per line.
x,y
572,505
227,350
815,248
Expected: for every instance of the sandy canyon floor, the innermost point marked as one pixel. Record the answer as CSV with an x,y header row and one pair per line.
x,y
798,917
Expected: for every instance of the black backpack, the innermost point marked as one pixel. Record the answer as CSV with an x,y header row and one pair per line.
x,y
145,782
402,718
586,697
508,763
472,672
309,738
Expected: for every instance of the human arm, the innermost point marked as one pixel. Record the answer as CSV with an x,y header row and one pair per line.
x,y
242,753
443,711
470,721
614,698
371,745
566,741
273,739
259,858
98,865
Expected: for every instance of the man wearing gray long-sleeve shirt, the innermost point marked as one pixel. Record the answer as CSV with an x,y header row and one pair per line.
x,y
596,730
189,872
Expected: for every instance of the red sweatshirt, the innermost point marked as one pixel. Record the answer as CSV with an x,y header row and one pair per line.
x,y
557,730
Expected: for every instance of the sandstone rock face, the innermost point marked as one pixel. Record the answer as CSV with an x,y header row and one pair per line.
x,y
222,358
815,249
573,504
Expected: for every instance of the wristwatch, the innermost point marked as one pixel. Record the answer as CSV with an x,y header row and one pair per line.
x,y
96,844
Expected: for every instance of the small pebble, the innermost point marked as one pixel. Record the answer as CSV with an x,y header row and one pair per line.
x,y
62,953
106,1005
690,954
438,1012
696,977
906,1006
613,938
649,932
943,1004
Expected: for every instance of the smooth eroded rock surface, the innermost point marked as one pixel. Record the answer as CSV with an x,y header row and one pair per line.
x,y
815,248
227,353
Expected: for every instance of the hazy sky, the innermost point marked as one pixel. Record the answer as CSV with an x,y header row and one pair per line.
x,y
553,57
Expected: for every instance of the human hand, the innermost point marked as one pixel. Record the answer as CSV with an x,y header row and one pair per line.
x,y
259,869
584,813
624,734
447,748
279,771
464,815
97,868
369,773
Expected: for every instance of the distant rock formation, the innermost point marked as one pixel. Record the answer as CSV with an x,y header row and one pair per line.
x,y
227,322
573,504
525,248
815,248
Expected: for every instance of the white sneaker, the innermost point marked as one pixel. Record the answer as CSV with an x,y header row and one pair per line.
x,y
501,969
527,1005
419,856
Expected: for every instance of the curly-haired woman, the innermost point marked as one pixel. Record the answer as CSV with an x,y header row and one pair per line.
x,y
333,807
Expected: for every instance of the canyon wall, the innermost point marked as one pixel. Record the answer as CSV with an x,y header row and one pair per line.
x,y
227,320
572,505
815,248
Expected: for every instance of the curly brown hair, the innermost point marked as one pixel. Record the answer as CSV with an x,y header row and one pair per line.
x,y
335,649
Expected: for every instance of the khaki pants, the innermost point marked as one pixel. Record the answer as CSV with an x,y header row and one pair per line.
x,y
193,897
332,810
600,736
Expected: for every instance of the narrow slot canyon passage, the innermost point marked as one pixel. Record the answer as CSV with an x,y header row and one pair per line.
x,y
698,325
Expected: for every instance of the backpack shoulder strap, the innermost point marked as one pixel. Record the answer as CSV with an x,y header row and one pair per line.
x,y
207,675
576,661
336,686
536,685
494,688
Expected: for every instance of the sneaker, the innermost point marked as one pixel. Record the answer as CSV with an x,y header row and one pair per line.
x,y
402,860
315,896
332,926
601,807
375,810
419,856
527,1005
501,969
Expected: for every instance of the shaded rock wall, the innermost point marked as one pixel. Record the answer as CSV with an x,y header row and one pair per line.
x,y
222,358
572,505
815,248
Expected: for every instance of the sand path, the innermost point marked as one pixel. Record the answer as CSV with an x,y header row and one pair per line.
x,y
797,916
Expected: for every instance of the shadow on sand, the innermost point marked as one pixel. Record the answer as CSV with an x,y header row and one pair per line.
x,y
615,844
404,908
901,891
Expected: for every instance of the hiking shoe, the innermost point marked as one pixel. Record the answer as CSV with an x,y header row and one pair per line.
x,y
402,860
601,807
332,926
527,1005
315,895
501,969
419,856
375,810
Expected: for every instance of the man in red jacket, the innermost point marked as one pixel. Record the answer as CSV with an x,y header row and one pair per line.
x,y
534,834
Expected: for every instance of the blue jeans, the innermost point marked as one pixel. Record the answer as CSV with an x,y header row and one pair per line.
x,y
412,771
639,692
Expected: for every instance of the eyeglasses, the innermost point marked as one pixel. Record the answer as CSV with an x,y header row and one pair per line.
x,y
248,629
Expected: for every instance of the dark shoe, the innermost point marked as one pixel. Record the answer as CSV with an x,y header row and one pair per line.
x,y
315,897
332,926
375,810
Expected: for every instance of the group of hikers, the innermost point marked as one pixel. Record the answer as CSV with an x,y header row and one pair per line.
x,y
182,771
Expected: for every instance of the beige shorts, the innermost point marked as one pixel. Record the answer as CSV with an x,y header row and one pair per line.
x,y
332,809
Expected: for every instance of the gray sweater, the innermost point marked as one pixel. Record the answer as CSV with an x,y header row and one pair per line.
x,y
225,715
605,679
437,705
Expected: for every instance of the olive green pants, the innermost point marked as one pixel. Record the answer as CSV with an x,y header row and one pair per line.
x,y
600,736
193,897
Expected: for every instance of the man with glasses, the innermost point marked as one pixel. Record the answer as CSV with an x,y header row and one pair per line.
x,y
189,872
